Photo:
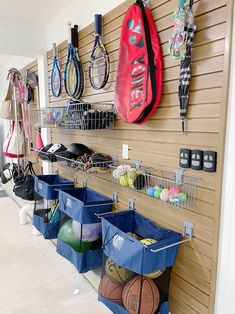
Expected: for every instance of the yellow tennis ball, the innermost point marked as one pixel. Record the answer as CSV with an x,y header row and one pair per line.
x,y
148,241
123,180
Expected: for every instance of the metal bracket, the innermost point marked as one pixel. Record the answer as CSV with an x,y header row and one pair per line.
x,y
137,164
179,176
84,183
131,203
188,229
115,160
146,3
115,196
75,179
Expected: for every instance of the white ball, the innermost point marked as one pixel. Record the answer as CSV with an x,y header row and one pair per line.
x,y
87,232
164,196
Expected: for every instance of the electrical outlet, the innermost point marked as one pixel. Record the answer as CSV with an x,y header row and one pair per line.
x,y
125,151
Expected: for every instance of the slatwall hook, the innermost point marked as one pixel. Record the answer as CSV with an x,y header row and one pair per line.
x,y
131,203
115,197
187,232
137,164
146,3
75,179
85,183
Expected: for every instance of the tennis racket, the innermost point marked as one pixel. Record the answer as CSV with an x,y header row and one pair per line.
x,y
99,60
71,68
80,86
55,74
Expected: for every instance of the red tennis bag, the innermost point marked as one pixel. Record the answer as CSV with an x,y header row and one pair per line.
x,y
139,75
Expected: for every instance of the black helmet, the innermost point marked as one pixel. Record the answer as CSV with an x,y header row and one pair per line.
x,y
75,150
78,149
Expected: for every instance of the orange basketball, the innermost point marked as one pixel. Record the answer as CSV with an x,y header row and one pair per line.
x,y
140,296
110,290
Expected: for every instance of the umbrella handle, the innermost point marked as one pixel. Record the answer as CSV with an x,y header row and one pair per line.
x,y
181,3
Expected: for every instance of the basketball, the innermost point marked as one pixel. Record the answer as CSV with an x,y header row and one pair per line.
x,y
87,232
111,291
140,296
67,235
116,273
148,241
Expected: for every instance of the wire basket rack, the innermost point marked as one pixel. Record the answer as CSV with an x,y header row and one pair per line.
x,y
172,187
85,163
79,116
131,175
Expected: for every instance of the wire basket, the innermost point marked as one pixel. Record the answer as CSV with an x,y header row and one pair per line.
x,y
80,116
86,164
172,187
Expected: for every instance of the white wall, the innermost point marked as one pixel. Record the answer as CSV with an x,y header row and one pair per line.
x,y
78,12
18,38
225,294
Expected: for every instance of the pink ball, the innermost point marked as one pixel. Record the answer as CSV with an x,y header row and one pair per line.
x,y
174,190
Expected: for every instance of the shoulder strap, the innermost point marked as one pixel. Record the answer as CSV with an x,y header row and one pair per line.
x,y
9,92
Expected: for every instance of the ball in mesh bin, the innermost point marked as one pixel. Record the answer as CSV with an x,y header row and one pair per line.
x,y
141,296
116,273
110,290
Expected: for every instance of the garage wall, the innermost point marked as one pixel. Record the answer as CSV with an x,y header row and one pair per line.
x,y
157,143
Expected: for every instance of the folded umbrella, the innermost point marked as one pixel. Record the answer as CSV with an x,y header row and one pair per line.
x,y
185,66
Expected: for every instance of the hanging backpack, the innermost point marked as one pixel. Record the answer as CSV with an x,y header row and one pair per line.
x,y
139,75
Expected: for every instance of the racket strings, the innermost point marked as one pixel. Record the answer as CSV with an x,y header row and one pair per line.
x,y
99,68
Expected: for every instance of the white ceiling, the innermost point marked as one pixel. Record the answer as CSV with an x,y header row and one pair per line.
x,y
39,12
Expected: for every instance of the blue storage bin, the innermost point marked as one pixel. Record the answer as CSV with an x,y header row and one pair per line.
x,y
47,186
82,204
118,309
90,259
48,230
131,253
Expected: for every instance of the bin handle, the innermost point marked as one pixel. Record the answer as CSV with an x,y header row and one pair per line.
x,y
169,246
100,204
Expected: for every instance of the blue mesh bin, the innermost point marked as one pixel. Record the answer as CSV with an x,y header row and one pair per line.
x,y
82,204
129,253
47,186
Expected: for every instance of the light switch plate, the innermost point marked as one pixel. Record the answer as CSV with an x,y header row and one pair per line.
x,y
125,151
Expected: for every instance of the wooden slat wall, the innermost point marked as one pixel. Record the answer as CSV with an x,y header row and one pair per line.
x,y
33,67
157,142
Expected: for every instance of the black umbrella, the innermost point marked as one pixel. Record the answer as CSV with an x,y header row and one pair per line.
x,y
185,66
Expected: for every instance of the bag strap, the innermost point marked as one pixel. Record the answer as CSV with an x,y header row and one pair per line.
x,y
151,65
9,92
29,169
191,2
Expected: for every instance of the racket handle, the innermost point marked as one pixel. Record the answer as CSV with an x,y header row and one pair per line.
x,y
54,49
72,36
98,24
69,33
75,36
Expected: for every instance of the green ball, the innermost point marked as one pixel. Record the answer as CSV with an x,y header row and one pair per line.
x,y
157,193
183,197
67,235
123,180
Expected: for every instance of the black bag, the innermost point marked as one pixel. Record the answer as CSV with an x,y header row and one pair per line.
x,y
24,184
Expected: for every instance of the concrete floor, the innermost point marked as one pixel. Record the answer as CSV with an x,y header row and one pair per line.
x,y
34,279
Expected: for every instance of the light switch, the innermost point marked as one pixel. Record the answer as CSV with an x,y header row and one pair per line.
x,y
125,150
